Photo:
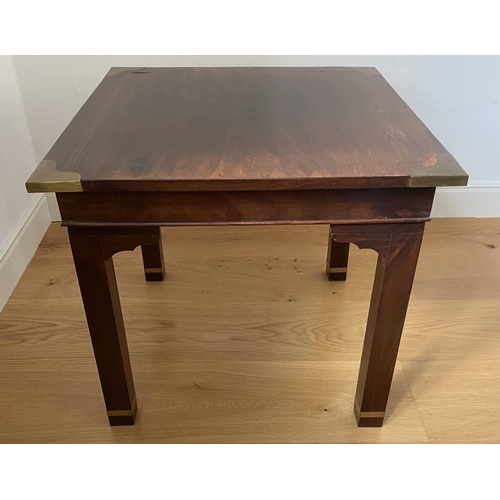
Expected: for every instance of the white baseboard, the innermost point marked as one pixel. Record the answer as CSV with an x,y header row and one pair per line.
x,y
21,246
473,201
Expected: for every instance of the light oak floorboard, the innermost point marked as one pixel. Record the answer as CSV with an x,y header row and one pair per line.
x,y
246,341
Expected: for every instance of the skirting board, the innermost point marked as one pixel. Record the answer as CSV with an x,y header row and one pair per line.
x,y
473,201
21,246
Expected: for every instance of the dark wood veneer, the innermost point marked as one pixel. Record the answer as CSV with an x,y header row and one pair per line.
x,y
259,207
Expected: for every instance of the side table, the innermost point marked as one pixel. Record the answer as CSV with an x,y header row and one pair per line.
x,y
153,147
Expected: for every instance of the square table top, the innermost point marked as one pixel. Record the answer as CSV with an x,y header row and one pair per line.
x,y
263,128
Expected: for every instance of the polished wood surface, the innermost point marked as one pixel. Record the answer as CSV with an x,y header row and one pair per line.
x,y
216,129
270,350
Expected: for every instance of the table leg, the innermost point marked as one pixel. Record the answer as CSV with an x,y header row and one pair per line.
x,y
336,259
398,246
152,256
93,249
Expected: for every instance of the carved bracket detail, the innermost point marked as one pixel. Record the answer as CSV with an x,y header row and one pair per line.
x,y
376,237
120,239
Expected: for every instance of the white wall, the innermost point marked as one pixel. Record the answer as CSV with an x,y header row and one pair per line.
x,y
17,159
24,218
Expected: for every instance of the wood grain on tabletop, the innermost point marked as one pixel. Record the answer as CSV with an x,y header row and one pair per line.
x,y
213,129
247,341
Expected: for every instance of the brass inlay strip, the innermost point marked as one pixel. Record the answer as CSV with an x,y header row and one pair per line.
x,y
47,179
338,269
368,414
153,270
372,414
445,172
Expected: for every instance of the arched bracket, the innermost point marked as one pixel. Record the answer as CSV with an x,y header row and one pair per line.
x,y
376,237
120,239
128,239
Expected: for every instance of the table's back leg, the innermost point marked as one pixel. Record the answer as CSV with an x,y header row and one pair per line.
x,y
336,259
152,256
398,247
97,280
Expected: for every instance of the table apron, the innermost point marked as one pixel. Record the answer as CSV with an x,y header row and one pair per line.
x,y
324,206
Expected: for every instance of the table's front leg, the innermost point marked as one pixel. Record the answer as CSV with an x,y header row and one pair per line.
x,y
398,246
93,249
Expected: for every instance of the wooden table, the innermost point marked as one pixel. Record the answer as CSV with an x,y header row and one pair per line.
x,y
217,146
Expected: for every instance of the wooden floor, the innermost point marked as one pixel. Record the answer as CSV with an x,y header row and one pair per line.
x,y
246,341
